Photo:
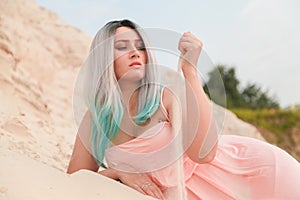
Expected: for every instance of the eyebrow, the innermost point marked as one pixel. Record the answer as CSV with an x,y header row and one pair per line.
x,y
138,40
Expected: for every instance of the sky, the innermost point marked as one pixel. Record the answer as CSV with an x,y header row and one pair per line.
x,y
259,38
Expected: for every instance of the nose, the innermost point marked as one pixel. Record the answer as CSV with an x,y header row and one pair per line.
x,y
134,53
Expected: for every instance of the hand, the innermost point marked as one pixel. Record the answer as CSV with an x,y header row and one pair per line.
x,y
141,183
190,47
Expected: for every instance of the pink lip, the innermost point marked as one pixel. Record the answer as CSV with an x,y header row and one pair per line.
x,y
135,63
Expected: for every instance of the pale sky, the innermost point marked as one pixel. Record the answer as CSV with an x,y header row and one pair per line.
x,y
260,38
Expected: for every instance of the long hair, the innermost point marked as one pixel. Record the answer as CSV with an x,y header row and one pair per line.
x,y
104,98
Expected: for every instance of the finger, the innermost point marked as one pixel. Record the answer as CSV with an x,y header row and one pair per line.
x,y
186,45
150,192
190,35
192,39
138,188
189,38
192,42
158,194
154,191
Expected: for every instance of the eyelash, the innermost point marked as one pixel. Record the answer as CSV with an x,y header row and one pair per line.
x,y
141,48
121,48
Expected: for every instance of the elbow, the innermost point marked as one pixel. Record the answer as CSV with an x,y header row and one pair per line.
x,y
202,160
71,170
207,159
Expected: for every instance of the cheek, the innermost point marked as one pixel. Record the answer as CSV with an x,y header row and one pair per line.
x,y
118,55
118,62
145,57
118,68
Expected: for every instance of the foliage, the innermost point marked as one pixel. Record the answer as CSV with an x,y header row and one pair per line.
x,y
254,97
281,123
227,93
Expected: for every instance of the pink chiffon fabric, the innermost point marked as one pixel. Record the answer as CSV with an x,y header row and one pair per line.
x,y
244,168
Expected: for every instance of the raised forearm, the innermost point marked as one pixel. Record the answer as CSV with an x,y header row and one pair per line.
x,y
199,113
198,109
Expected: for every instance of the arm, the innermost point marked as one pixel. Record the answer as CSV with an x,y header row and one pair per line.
x,y
199,113
81,158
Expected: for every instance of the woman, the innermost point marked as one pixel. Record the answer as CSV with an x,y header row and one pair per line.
x,y
131,118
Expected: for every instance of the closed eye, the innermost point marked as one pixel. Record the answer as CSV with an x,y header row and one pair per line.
x,y
142,48
121,48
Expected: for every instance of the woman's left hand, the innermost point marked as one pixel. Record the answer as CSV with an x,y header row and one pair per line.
x,y
190,47
140,182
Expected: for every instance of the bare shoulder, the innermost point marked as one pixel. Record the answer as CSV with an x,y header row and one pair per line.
x,y
86,121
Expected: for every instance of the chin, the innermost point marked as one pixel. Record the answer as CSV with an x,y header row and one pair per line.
x,y
137,76
133,76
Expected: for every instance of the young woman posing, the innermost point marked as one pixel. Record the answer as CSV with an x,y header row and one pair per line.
x,y
130,124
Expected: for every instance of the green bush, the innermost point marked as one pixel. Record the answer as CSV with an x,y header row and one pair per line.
x,y
278,121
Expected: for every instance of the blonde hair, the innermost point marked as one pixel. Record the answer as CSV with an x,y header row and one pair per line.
x,y
103,96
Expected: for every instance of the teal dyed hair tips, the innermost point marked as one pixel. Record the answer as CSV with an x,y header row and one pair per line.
x,y
149,109
108,123
104,129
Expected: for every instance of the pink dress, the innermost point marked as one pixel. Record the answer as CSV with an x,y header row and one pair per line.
x,y
244,168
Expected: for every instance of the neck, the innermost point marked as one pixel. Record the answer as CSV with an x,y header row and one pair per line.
x,y
130,94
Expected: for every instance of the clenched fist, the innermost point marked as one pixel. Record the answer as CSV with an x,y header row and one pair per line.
x,y
190,47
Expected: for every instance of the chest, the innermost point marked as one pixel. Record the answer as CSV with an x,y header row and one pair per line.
x,y
129,129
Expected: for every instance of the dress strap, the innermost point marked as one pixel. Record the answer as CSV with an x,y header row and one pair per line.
x,y
164,110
